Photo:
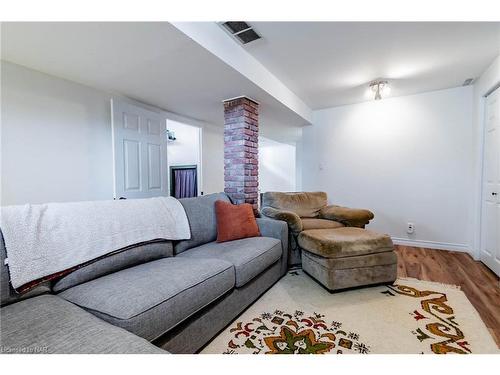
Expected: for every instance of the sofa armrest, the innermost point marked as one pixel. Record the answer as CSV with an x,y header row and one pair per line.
x,y
352,217
276,229
292,219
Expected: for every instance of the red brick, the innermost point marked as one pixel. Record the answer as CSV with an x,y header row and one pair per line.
x,y
241,137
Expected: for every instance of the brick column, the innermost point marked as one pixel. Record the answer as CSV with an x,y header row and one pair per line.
x,y
241,152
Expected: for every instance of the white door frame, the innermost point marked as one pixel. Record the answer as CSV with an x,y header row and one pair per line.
x,y
477,240
199,163
477,208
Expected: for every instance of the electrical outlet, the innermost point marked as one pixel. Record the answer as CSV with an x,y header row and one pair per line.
x,y
411,228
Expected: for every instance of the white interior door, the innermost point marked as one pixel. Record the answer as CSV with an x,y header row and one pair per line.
x,y
490,224
139,151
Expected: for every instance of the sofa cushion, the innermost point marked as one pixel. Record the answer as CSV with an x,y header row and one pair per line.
x,y
250,256
305,204
344,242
7,293
116,261
151,298
320,224
49,324
202,221
235,221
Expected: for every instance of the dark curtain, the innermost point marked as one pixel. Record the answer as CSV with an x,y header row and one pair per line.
x,y
186,185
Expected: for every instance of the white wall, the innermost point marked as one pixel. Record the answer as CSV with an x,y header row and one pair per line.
x,y
185,150
213,159
299,152
277,167
483,85
56,140
407,159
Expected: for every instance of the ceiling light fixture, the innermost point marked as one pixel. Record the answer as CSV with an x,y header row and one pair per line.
x,y
171,135
380,89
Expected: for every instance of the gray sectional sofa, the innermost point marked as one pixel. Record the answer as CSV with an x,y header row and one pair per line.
x,y
149,298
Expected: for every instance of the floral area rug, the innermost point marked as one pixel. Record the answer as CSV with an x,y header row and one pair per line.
x,y
298,316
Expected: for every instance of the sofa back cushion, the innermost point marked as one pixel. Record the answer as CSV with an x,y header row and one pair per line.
x,y
202,220
118,260
7,294
304,204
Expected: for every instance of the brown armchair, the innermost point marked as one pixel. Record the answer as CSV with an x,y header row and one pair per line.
x,y
309,210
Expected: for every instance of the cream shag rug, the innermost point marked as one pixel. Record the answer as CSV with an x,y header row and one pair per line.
x,y
297,315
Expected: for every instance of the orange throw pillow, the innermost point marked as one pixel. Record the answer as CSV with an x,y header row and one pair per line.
x,y
235,221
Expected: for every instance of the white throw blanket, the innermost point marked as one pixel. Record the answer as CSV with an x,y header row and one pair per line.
x,y
44,239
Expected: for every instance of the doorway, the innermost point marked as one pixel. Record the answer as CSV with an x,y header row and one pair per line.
x,y
184,181
184,159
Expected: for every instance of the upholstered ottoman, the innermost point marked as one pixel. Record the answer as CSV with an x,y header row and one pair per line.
x,y
348,257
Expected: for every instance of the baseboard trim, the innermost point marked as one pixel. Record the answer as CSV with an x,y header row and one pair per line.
x,y
432,244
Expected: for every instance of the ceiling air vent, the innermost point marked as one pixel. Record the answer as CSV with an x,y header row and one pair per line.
x,y
468,82
242,31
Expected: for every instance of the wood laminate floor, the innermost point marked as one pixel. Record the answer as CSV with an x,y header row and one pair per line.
x,y
480,285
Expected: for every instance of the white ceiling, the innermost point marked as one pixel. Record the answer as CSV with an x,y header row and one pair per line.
x,y
324,63
331,63
151,62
